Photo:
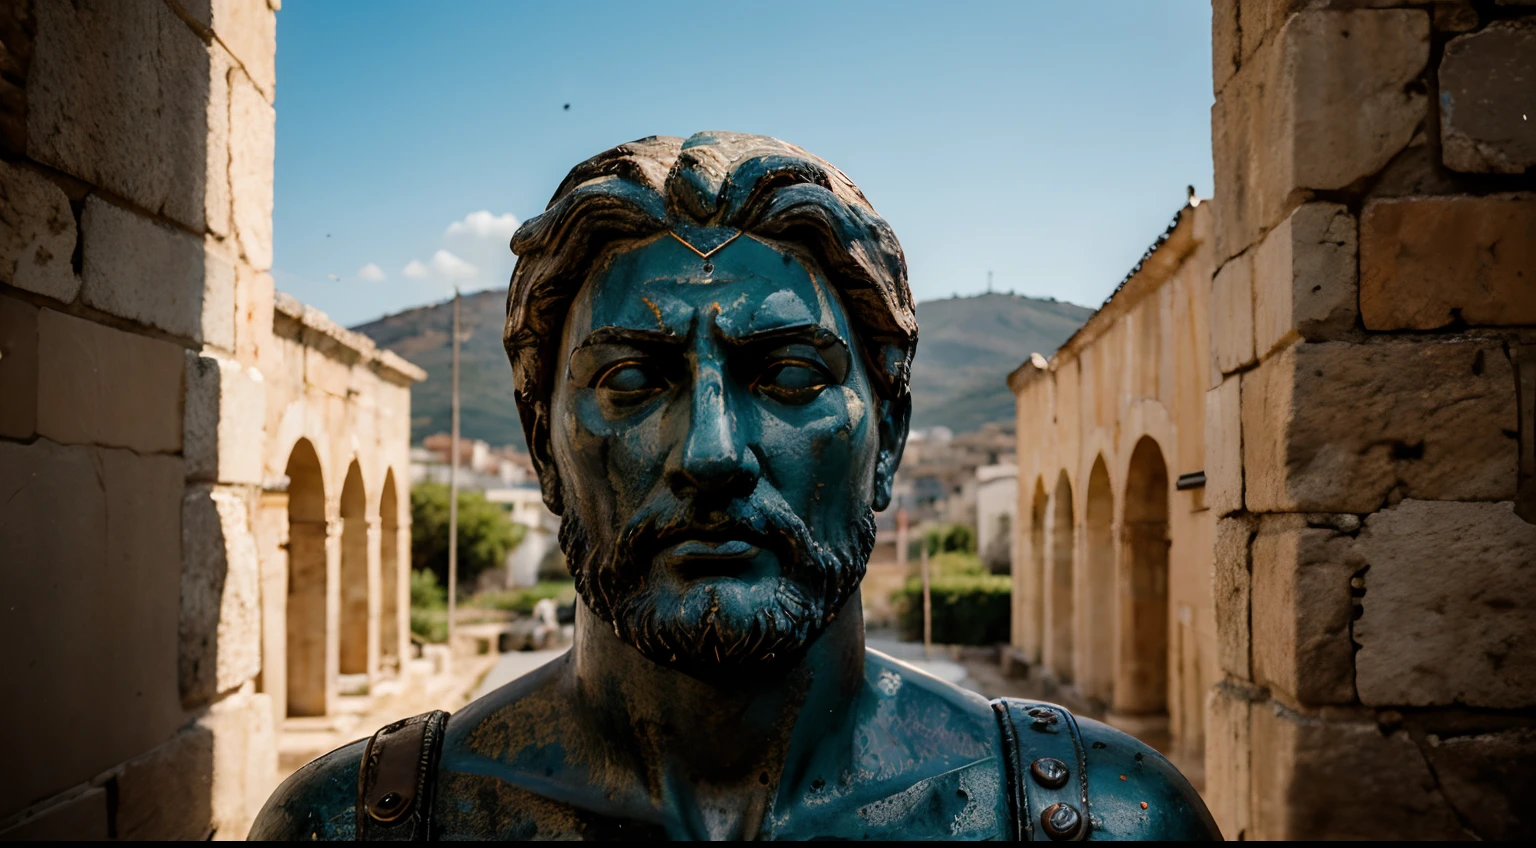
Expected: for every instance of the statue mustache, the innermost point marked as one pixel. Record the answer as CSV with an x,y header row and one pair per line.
x,y
766,522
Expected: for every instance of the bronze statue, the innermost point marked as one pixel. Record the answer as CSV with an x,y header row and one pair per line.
x,y
711,341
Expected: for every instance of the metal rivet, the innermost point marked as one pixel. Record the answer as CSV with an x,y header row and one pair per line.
x,y
1043,717
389,807
1061,821
1050,772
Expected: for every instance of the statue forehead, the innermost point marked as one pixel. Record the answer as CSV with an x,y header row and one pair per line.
x,y
743,284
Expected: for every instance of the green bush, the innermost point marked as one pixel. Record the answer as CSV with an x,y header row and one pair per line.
x,y
952,537
970,606
429,607
486,534
522,600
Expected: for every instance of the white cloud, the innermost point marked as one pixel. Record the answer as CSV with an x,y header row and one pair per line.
x,y
333,277
452,267
484,225
415,270
371,272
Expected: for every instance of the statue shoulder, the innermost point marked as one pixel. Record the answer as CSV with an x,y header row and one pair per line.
x,y
1058,760
1135,793
317,802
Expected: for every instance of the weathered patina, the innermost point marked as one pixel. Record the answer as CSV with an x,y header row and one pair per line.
x,y
711,340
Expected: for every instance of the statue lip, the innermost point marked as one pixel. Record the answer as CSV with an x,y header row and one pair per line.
x,y
700,551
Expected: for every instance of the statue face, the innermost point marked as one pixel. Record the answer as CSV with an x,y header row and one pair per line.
x,y
718,444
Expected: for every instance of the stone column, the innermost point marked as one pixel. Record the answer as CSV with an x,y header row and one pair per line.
x,y
333,533
1375,585
375,599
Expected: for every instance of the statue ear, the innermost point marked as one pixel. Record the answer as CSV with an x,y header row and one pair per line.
x,y
895,416
544,460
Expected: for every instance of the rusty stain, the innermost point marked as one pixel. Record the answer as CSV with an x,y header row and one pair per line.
x,y
1122,777
1143,805
656,309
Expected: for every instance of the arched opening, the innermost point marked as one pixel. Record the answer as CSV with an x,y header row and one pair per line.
x,y
354,574
1096,593
390,573
1141,680
1035,620
306,628
1060,602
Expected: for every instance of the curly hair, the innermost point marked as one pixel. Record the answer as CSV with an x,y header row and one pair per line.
x,y
755,184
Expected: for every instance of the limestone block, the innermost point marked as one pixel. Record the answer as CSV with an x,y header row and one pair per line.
x,y
1228,766
1304,278
1224,447
1488,778
1302,610
37,235
1327,101
96,594
249,29
253,318
97,385
1313,778
168,792
220,594
217,202
326,373
1449,606
252,144
145,271
1231,318
225,413
1231,591
243,770
1338,427
81,818
117,95
1226,42
18,368
1486,80
1427,261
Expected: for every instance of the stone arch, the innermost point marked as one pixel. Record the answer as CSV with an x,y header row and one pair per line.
x,y
305,680
354,573
1035,615
1096,592
1141,677
391,574
1059,589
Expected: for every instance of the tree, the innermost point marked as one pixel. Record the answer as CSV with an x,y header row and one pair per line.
x,y
486,535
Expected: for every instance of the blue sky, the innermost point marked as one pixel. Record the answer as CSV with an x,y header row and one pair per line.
x,y
1047,142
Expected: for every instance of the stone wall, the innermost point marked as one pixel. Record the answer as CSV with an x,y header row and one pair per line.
x,y
1372,396
144,400
1112,600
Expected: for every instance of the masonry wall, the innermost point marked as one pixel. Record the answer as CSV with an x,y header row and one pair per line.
x,y
136,150
1122,397
1371,399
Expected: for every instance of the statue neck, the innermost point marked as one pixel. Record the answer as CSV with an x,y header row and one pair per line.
x,y
693,742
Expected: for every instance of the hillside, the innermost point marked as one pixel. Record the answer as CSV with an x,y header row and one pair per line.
x,y
966,348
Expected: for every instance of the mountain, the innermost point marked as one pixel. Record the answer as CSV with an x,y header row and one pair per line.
x,y
966,347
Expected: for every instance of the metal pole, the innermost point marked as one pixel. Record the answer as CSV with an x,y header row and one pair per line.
x,y
927,606
453,482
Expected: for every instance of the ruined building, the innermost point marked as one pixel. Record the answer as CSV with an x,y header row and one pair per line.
x,y
204,515
1357,576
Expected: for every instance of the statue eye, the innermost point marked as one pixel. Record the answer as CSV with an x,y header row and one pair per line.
x,y
792,381
629,378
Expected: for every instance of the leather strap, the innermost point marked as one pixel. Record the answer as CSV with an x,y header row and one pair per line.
x,y
396,779
1047,770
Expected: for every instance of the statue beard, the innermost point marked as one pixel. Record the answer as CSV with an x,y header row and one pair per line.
x,y
722,627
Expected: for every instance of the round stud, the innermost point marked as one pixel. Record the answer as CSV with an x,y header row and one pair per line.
x,y
1061,822
1050,772
389,807
1043,717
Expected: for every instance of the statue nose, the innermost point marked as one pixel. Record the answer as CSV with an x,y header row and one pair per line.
x,y
714,459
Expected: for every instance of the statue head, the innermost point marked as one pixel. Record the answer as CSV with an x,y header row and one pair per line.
x,y
711,341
